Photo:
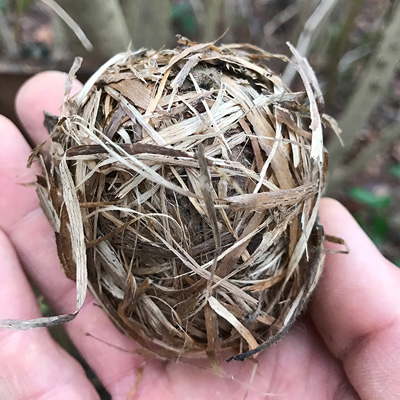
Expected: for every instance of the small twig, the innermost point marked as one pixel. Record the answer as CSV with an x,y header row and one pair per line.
x,y
280,18
307,37
71,23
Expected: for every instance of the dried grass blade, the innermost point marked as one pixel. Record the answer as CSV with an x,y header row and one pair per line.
x,y
309,80
76,230
228,316
268,200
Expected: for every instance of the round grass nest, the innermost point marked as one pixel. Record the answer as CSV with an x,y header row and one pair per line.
x,y
184,188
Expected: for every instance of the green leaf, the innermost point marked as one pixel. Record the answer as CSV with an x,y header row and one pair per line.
x,y
397,262
395,170
369,198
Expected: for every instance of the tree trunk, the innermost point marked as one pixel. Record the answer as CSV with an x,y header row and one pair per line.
x,y
338,48
211,16
8,45
370,89
104,24
149,22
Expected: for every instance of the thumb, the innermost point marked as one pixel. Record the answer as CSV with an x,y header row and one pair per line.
x,y
355,308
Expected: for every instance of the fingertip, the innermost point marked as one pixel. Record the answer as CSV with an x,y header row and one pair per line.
x,y
17,197
14,149
329,202
332,213
337,221
42,92
6,125
12,141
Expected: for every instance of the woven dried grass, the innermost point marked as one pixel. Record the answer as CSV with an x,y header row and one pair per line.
x,y
184,186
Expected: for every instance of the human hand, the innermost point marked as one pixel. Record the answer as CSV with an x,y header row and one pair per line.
x,y
347,346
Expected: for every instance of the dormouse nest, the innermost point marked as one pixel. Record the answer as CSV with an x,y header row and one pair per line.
x,y
184,188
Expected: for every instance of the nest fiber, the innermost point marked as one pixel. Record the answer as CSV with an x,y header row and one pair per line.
x,y
183,189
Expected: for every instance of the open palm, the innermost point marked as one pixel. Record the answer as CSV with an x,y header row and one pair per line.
x,y
346,347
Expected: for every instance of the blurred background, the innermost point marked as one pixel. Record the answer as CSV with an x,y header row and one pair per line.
x,y
353,45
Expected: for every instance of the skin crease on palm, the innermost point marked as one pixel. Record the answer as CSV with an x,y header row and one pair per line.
x,y
347,345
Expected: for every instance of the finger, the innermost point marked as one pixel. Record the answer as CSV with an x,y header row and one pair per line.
x,y
20,214
355,308
16,200
43,92
32,237
32,364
